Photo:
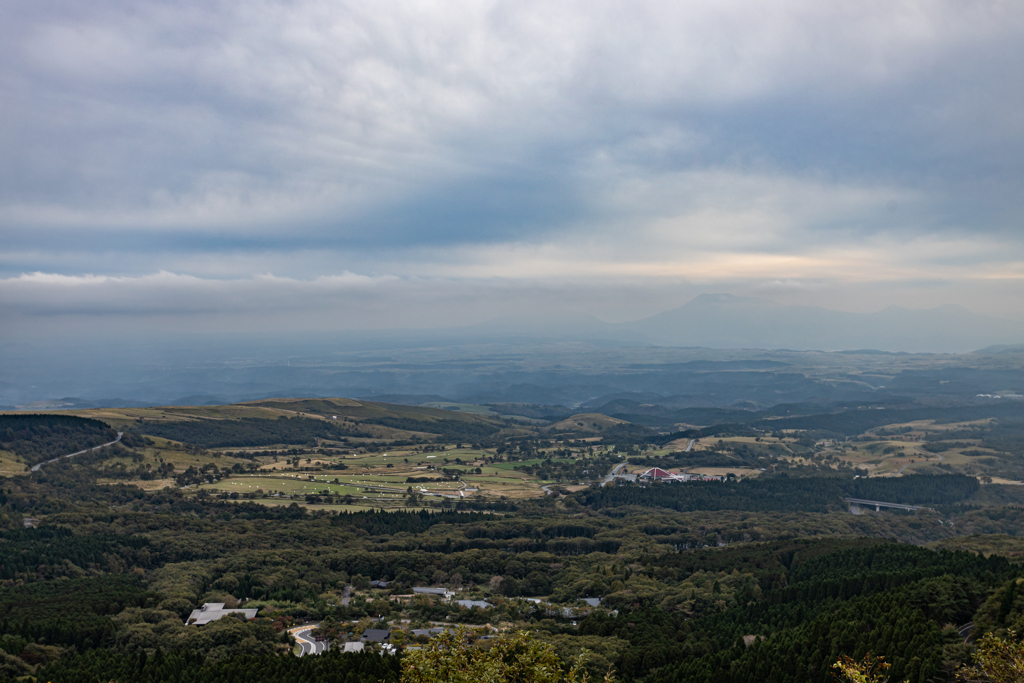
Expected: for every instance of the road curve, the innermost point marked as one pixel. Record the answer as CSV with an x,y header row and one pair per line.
x,y
308,645
927,454
35,468
923,452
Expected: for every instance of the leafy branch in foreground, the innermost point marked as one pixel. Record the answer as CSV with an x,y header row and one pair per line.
x,y
997,660
868,670
453,657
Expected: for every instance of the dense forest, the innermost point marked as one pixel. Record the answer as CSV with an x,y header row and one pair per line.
x,y
783,494
41,437
447,430
822,603
251,432
353,667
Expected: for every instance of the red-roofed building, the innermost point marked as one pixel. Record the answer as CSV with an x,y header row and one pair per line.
x,y
658,474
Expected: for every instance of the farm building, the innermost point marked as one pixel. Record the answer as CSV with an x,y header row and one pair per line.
x,y
658,474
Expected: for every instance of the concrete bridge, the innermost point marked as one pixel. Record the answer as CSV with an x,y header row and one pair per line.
x,y
856,503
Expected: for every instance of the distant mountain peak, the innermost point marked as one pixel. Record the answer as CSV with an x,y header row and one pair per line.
x,y
723,298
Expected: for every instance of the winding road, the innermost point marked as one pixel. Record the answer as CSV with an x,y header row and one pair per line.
x,y
925,453
307,644
35,468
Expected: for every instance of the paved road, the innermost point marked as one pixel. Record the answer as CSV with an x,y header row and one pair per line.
x,y
689,445
308,645
35,468
614,471
927,454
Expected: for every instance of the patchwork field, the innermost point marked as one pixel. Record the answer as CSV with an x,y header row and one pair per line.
x,y
382,479
343,452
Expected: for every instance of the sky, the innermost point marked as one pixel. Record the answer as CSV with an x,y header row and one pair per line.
x,y
310,165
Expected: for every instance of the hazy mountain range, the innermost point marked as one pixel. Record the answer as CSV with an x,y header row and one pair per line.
x,y
724,321
569,360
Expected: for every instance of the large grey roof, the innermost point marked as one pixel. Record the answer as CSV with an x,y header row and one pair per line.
x,y
469,604
375,635
429,632
212,611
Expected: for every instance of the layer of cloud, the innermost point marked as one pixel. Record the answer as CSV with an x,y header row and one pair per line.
x,y
335,118
415,162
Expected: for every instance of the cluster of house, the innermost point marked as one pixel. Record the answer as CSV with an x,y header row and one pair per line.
x,y
212,611
658,474
446,594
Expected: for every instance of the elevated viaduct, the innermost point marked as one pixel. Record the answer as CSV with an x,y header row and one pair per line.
x,y
857,503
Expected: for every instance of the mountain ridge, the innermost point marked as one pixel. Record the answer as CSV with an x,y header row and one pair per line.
x,y
722,320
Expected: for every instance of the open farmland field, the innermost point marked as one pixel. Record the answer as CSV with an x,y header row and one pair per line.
x,y
377,484
722,471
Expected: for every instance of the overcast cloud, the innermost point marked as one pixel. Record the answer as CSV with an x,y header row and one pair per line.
x,y
403,164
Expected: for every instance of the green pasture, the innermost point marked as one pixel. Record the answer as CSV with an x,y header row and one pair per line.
x,y
398,458
484,478
10,464
302,485
510,466
354,483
